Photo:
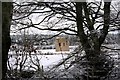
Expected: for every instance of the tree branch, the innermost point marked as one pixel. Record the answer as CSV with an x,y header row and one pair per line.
x,y
106,22
86,12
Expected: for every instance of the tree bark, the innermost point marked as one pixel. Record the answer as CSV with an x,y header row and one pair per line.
x,y
6,41
80,30
106,22
93,59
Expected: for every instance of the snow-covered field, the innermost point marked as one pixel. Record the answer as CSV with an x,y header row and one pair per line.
x,y
37,59
45,61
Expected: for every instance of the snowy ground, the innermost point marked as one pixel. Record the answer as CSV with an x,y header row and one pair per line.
x,y
47,61
44,60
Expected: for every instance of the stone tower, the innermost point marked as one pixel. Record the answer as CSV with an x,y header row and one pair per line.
x,y
61,44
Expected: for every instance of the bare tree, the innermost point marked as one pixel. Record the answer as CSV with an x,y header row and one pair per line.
x,y
25,63
90,21
70,12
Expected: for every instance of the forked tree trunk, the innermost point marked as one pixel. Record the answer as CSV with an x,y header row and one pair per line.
x,y
94,60
6,41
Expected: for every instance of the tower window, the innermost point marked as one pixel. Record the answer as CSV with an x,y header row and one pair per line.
x,y
59,44
63,44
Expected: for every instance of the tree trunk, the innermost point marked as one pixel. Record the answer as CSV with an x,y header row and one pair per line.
x,y
6,41
93,59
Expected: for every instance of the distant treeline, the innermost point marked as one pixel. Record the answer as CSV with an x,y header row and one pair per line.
x,y
41,39
49,39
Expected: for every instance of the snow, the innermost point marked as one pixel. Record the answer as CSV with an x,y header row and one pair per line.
x,y
40,58
48,60
44,60
52,51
